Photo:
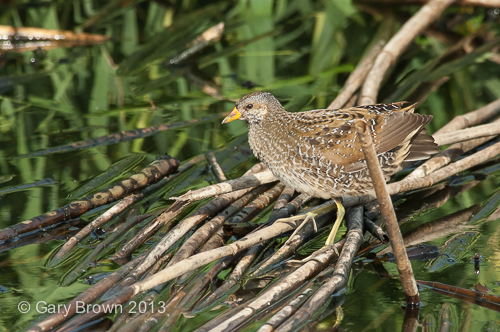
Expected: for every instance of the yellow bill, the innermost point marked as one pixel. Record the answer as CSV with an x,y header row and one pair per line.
x,y
234,115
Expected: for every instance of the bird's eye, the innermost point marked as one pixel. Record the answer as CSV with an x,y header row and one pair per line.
x,y
249,106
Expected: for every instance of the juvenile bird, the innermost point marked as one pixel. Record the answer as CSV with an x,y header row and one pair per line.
x,y
318,152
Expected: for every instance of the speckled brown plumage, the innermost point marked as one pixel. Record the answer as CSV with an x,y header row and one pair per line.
x,y
317,152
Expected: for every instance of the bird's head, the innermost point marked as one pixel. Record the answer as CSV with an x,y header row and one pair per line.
x,y
254,107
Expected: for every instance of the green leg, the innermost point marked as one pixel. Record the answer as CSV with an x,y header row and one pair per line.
x,y
336,225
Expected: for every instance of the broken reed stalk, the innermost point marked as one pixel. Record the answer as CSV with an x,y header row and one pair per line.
x,y
445,172
113,211
463,293
285,197
86,297
182,301
120,137
211,227
151,174
243,182
288,310
215,167
256,206
235,276
389,55
375,230
472,118
282,209
185,226
340,276
99,221
445,157
212,230
388,214
288,209
156,171
164,219
176,208
288,249
358,76
456,150
187,265
83,262
486,130
440,228
288,284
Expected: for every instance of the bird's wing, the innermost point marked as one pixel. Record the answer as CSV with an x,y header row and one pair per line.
x,y
331,134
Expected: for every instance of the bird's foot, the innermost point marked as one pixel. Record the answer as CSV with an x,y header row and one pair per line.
x,y
296,263
308,216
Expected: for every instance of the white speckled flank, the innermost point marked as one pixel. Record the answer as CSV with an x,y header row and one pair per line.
x,y
318,153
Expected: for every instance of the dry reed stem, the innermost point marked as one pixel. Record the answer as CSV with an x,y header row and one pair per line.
x,y
282,212
285,197
288,249
440,228
375,230
103,218
340,275
202,259
87,296
486,130
288,284
445,172
257,205
206,279
403,263
427,14
475,296
472,118
151,174
185,226
166,218
83,263
216,241
215,167
288,310
189,294
445,157
289,208
184,266
232,280
228,186
357,77
158,264
211,227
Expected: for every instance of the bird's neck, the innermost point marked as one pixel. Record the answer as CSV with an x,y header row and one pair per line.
x,y
268,133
